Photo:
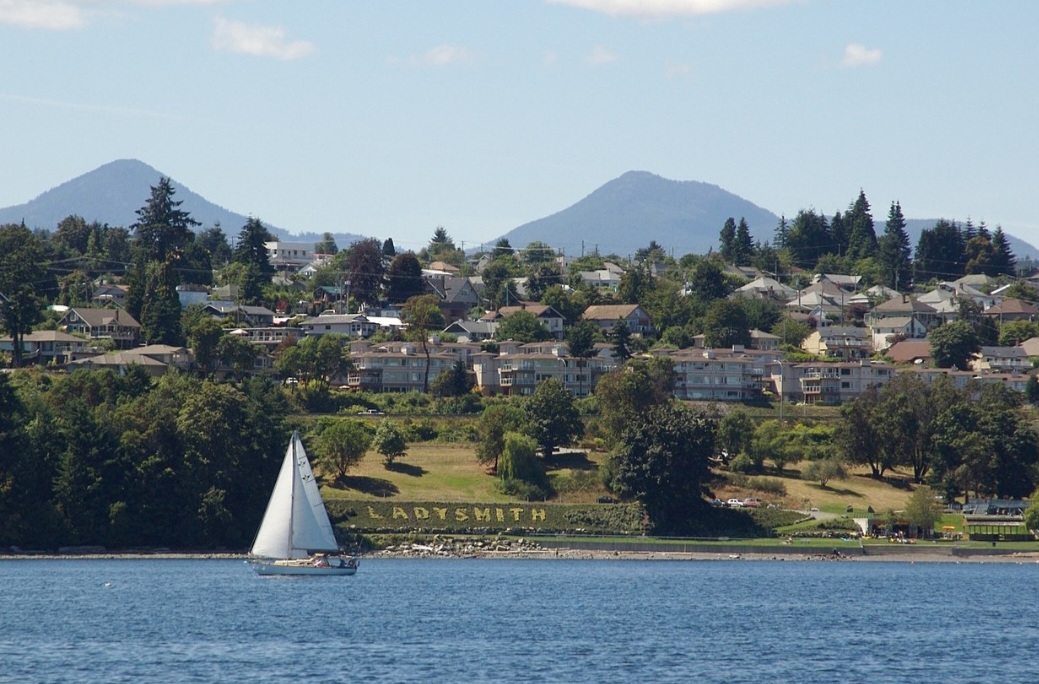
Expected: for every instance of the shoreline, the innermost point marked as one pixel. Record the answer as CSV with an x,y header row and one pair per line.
x,y
922,556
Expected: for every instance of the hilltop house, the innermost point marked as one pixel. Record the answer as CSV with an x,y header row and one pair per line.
x,y
633,315
102,324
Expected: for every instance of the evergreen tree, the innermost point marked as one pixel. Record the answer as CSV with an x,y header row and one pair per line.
x,y
22,279
162,226
404,278
251,252
1003,260
621,336
727,241
327,245
808,238
743,248
895,251
161,311
388,250
781,233
939,253
862,238
839,235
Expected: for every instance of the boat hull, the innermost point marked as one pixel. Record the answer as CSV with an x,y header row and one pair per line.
x,y
297,568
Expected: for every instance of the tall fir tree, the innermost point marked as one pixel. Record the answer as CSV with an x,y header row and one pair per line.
x,y
162,226
744,245
862,237
1004,260
895,250
727,240
251,251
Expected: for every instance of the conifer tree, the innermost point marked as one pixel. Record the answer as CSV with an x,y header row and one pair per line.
x,y
1004,261
727,240
895,250
743,250
862,238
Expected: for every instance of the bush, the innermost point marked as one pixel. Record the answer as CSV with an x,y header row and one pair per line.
x,y
769,486
742,464
528,491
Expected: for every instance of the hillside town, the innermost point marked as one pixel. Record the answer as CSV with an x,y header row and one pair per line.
x,y
830,336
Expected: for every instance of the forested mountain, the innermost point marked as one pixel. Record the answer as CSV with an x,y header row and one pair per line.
x,y
620,217
627,212
112,193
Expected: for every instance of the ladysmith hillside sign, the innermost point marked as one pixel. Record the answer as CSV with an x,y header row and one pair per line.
x,y
477,515
427,515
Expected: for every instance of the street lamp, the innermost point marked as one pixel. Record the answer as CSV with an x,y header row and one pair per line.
x,y
780,390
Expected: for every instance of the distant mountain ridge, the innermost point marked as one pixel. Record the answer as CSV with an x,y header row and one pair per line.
x,y
620,217
626,213
112,194
684,217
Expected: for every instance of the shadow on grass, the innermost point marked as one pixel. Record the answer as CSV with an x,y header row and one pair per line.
x,y
834,490
406,469
368,485
572,460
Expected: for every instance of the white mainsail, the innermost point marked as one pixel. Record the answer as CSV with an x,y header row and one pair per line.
x,y
295,523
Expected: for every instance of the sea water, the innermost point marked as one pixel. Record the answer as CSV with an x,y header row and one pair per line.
x,y
520,621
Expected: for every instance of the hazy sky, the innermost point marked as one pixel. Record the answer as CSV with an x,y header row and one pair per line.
x,y
390,118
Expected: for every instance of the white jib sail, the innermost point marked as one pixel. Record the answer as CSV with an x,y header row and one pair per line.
x,y
295,521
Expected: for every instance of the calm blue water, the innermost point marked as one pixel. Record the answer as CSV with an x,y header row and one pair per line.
x,y
519,621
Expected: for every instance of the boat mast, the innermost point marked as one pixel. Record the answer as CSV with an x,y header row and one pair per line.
x,y
292,495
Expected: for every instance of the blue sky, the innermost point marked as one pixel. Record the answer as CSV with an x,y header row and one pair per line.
x,y
390,118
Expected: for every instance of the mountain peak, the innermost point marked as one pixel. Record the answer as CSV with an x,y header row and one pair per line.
x,y
627,212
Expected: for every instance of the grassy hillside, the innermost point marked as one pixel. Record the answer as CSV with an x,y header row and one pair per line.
x,y
450,472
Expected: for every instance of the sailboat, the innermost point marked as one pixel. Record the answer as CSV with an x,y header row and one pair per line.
x,y
296,537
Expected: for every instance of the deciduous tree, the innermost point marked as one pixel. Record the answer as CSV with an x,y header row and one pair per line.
x,y
663,462
552,418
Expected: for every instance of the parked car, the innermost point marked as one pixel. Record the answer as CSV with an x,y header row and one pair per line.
x,y
371,412
718,502
734,503
752,502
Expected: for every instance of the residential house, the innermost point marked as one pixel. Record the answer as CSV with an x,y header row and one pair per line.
x,y
906,306
764,288
835,383
519,369
735,374
473,331
633,315
909,351
840,341
603,279
547,315
268,337
191,293
442,267
816,305
887,331
48,347
763,341
746,272
289,256
848,283
1010,310
350,325
239,314
1031,346
121,362
457,295
1001,360
109,293
102,324
397,367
